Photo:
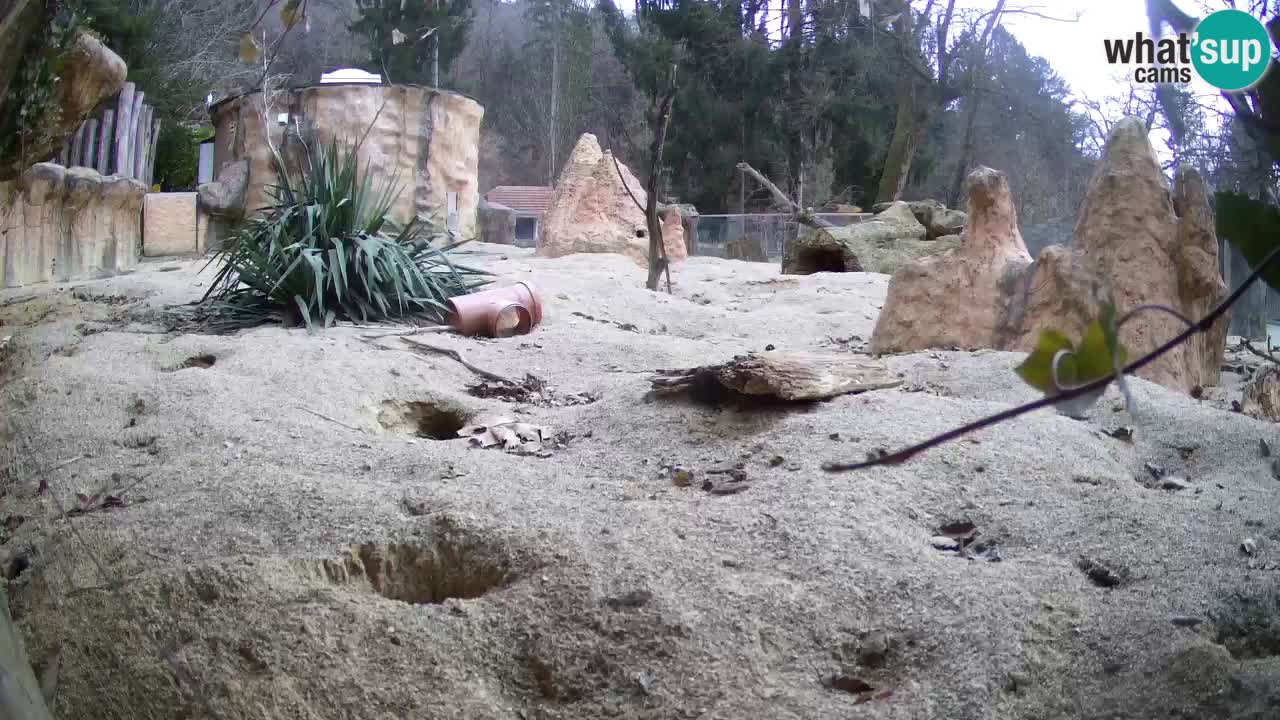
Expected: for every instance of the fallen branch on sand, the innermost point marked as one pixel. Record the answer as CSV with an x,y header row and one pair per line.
x,y
449,352
410,331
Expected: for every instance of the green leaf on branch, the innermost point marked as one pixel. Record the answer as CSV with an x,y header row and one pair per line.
x,y
289,14
1097,356
248,49
1037,369
1250,226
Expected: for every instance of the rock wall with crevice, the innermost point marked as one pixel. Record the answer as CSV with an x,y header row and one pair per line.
x,y
58,225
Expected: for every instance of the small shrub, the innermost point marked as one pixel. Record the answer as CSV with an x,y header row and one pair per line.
x,y
323,250
178,156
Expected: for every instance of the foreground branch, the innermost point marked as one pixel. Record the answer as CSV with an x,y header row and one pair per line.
x,y
1096,386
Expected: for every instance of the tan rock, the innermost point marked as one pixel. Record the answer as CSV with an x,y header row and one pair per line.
x,y
225,196
593,212
967,282
673,232
881,244
78,246
97,73
60,224
1136,242
91,73
169,224
1132,238
1261,397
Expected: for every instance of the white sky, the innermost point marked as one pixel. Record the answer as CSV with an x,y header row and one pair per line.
x,y
1074,49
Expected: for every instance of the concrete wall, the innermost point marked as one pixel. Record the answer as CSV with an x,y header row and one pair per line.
x,y
58,225
425,138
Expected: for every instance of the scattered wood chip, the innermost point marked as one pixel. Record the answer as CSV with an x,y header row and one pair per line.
x,y
1124,432
863,690
1100,574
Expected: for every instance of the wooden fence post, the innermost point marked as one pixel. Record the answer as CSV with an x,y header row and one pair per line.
x,y
91,143
105,137
123,109
151,156
135,115
143,138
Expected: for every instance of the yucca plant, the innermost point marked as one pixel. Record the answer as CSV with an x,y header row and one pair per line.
x,y
323,250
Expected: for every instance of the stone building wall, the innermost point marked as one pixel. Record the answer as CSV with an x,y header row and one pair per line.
x,y
427,139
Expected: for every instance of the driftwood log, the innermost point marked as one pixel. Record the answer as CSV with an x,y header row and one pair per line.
x,y
792,377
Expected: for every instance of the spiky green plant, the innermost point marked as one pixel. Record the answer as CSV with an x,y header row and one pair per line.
x,y
323,250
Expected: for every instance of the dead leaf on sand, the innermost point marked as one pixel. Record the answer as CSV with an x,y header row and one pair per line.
x,y
501,431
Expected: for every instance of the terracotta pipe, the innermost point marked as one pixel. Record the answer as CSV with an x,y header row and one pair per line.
x,y
498,312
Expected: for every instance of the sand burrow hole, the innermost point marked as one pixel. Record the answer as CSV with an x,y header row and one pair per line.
x,y
422,418
448,564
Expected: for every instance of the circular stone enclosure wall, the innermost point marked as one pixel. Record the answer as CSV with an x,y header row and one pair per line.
x,y
426,139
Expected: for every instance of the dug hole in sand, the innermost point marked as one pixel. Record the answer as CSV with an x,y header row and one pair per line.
x,y
286,529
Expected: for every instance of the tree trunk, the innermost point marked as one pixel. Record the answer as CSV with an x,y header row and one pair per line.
x,y
966,153
554,129
902,149
799,115
657,250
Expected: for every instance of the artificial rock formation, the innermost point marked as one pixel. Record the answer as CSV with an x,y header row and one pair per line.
x,y
593,212
881,244
1135,241
221,204
1261,396
58,225
673,230
91,73
425,139
968,282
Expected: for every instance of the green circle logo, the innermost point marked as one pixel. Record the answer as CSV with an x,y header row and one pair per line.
x,y
1231,49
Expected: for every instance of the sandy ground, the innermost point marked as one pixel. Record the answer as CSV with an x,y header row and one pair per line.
x,y
289,546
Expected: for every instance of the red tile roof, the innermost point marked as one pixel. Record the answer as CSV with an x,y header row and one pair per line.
x,y
524,199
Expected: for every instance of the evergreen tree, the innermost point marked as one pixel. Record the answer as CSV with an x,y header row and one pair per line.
x,y
407,38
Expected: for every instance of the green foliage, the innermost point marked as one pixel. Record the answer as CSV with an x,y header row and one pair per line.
x,y
127,28
178,156
29,125
324,250
1099,352
1251,226
394,33
1056,365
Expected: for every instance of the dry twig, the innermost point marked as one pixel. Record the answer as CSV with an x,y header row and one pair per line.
x,y
449,352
